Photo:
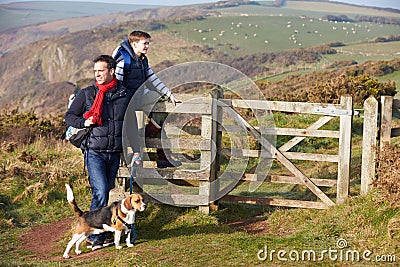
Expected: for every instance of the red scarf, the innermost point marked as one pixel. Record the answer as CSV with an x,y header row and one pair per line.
x,y
97,107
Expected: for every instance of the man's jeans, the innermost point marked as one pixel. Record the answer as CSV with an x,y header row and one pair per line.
x,y
102,170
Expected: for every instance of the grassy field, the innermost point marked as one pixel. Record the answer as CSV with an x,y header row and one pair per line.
x,y
264,32
235,235
238,35
310,8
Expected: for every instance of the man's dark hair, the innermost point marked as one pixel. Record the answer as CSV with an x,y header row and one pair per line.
x,y
111,63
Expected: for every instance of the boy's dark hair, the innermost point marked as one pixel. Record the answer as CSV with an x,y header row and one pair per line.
x,y
111,63
135,36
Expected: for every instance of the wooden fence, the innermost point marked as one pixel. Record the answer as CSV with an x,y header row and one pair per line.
x,y
377,133
196,183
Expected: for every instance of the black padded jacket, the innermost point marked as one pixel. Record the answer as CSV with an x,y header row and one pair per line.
x,y
108,136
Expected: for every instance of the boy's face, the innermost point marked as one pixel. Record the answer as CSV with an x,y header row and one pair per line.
x,y
141,47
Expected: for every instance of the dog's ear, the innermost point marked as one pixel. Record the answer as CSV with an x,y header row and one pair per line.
x,y
127,203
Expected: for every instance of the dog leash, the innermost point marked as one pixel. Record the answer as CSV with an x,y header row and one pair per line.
x,y
133,174
131,179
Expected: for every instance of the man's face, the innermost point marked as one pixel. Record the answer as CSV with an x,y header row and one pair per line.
x,y
102,74
141,47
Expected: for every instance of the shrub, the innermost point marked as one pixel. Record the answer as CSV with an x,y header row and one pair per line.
x,y
388,173
27,127
359,86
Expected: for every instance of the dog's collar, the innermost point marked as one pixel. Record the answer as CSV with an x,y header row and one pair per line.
x,y
122,220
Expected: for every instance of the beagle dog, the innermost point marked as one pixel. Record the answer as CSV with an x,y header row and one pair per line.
x,y
116,217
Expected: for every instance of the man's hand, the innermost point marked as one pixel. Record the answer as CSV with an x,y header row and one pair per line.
x,y
89,121
174,100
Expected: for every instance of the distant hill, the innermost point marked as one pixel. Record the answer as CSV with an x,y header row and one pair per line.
x,y
21,14
12,39
40,76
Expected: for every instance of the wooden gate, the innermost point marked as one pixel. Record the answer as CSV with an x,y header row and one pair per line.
x,y
202,171
328,111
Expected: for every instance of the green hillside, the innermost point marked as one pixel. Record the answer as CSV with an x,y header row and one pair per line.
x,y
307,8
238,35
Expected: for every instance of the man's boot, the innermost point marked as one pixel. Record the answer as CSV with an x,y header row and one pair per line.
x,y
164,157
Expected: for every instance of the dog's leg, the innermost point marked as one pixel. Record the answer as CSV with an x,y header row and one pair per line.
x,y
131,233
117,238
128,238
74,239
78,243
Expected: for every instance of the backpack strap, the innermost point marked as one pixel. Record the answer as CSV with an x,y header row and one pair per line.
x,y
122,54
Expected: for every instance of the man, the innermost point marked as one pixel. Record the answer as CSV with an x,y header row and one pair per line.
x,y
101,107
133,70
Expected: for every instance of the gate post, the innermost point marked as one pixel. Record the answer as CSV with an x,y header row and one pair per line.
x,y
370,135
205,162
386,121
210,159
216,137
344,150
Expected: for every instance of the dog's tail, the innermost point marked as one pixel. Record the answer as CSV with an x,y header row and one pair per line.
x,y
72,202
